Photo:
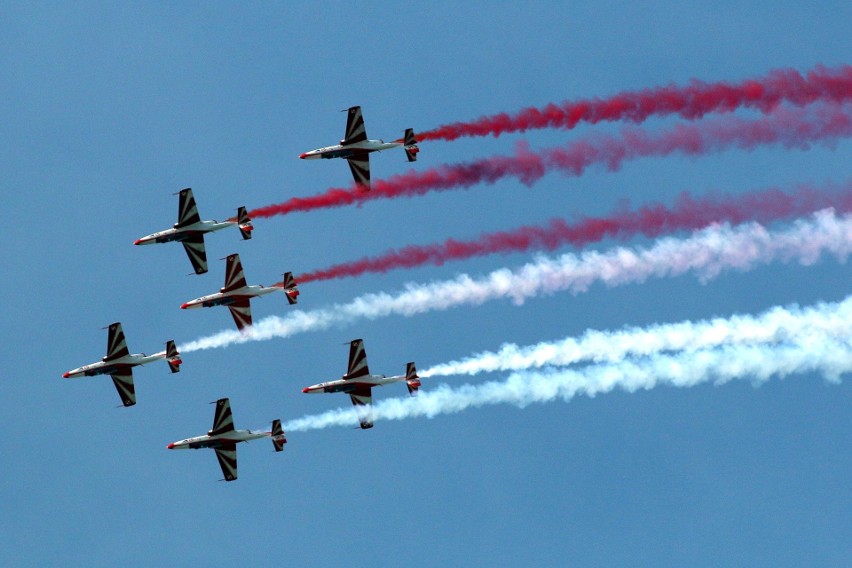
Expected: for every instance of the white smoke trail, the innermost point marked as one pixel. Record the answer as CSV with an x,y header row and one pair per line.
x,y
833,320
706,253
830,357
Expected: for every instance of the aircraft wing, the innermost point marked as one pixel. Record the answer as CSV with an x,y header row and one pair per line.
x,y
223,421
357,361
241,312
227,456
116,345
187,211
123,381
234,277
194,247
355,129
360,168
362,398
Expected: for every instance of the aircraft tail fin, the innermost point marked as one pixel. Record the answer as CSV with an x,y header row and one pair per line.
x,y
172,356
410,145
278,437
412,381
290,288
244,223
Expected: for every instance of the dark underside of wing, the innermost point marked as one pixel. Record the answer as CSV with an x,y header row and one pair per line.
x,y
227,456
241,312
194,247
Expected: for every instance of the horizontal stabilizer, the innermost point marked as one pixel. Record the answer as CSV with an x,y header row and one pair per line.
x,y
290,289
410,145
412,381
278,437
173,357
244,223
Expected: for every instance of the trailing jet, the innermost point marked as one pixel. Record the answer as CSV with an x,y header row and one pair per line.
x,y
224,439
237,295
358,382
356,149
119,363
190,230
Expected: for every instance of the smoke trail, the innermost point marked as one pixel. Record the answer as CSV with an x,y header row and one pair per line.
x,y
650,220
830,357
690,102
706,253
777,325
793,128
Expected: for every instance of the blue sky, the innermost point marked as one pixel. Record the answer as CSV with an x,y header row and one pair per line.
x,y
109,108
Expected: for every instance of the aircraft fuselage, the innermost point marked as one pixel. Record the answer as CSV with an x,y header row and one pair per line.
x,y
185,232
222,440
110,367
348,385
351,150
230,297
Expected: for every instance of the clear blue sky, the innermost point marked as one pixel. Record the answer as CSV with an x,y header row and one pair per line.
x,y
109,108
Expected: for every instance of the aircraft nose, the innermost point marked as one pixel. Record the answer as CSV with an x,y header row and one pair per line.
x,y
305,390
66,375
184,305
170,446
137,242
303,155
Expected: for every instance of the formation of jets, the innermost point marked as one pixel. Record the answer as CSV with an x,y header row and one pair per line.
x,y
236,294
356,148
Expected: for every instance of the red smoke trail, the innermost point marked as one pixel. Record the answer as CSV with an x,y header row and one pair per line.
x,y
690,102
791,127
650,220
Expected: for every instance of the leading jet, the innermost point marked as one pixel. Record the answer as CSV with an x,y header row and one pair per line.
x,y
223,438
190,230
356,148
358,382
118,363
237,295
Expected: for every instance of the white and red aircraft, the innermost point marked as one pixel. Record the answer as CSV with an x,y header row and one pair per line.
x,y
237,295
358,382
119,363
190,230
356,148
224,439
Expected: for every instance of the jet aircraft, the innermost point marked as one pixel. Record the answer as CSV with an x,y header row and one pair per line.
x,y
119,363
224,439
190,230
358,382
237,295
356,148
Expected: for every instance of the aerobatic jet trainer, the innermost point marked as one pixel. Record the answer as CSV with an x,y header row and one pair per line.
x,y
358,382
237,295
119,363
224,439
190,230
356,148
